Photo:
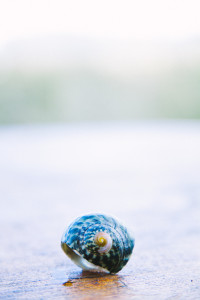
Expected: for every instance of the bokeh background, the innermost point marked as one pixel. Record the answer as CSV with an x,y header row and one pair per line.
x,y
99,112
72,61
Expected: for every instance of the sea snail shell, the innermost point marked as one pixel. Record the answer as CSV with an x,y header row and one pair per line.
x,y
98,243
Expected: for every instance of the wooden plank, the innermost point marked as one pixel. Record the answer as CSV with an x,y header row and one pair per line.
x,y
148,178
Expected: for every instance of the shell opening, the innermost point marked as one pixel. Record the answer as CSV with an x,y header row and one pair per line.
x,y
104,241
80,261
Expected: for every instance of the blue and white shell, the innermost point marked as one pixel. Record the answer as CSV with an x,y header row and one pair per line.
x,y
98,243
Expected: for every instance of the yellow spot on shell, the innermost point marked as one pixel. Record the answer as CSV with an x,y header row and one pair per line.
x,y
104,241
101,241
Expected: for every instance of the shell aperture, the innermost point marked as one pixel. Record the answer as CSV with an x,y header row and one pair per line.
x,y
98,242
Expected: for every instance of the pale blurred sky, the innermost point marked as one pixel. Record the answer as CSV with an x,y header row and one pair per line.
x,y
120,19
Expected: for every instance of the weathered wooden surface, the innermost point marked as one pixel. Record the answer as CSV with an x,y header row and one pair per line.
x,y
148,175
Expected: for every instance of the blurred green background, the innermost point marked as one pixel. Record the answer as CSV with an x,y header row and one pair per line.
x,y
60,79
74,61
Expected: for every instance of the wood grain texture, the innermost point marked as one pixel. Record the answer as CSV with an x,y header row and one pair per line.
x,y
148,175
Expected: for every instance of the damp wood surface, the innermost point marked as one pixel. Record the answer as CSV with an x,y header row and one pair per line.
x,y
146,174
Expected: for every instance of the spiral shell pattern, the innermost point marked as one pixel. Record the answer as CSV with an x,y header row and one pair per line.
x,y
101,240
